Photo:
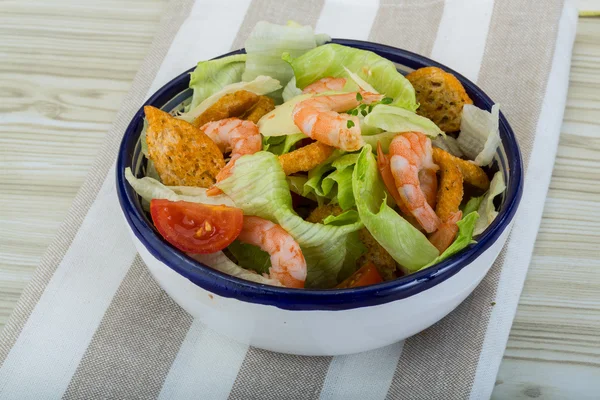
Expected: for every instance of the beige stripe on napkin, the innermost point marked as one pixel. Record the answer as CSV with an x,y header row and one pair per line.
x,y
135,344
514,72
408,24
169,25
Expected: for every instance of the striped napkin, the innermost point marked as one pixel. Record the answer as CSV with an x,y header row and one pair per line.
x,y
94,325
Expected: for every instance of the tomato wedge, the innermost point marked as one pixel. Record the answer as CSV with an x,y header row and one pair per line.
x,y
195,227
366,275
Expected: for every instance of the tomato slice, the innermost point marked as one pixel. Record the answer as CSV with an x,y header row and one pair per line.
x,y
366,275
195,227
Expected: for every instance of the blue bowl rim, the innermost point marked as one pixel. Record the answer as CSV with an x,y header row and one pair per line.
x,y
309,299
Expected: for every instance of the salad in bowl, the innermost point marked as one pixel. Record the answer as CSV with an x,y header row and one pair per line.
x,y
318,196
321,167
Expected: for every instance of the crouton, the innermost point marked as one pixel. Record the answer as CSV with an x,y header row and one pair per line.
x,y
305,158
450,192
441,97
182,154
263,106
230,105
472,174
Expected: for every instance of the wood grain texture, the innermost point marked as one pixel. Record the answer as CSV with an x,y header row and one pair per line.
x,y
553,351
65,67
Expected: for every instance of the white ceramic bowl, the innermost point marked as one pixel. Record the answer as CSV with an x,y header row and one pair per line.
x,y
318,322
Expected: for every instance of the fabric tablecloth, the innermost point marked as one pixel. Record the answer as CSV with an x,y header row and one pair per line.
x,y
93,324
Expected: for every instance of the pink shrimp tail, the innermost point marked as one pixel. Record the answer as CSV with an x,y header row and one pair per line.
x,y
446,233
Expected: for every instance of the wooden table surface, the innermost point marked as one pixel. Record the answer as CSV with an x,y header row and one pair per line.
x,y
65,67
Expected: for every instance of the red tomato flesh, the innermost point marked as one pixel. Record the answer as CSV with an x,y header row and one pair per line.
x,y
194,227
366,275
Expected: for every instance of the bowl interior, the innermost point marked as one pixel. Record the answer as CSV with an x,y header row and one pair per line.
x,y
175,95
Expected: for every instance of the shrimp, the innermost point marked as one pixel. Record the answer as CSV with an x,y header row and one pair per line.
x,y
287,261
429,185
449,198
444,236
319,119
232,134
410,153
385,171
325,85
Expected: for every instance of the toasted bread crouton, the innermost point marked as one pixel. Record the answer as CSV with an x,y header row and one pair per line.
x,y
182,154
450,192
441,97
263,106
230,105
375,252
305,158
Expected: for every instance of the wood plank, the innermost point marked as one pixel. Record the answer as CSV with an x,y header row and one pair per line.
x,y
63,76
553,351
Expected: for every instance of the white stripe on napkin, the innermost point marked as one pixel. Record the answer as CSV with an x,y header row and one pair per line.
x,y
524,231
463,33
208,32
362,376
42,361
348,19
206,366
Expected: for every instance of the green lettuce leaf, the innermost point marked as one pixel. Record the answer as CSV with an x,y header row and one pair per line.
x,y
487,210
267,42
260,86
394,120
250,257
472,205
211,76
281,144
464,238
332,59
259,187
407,245
316,185
341,180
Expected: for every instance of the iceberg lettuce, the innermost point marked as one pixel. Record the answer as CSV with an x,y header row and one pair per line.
x,y
333,60
487,210
149,188
464,238
393,120
407,245
479,136
267,42
211,76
